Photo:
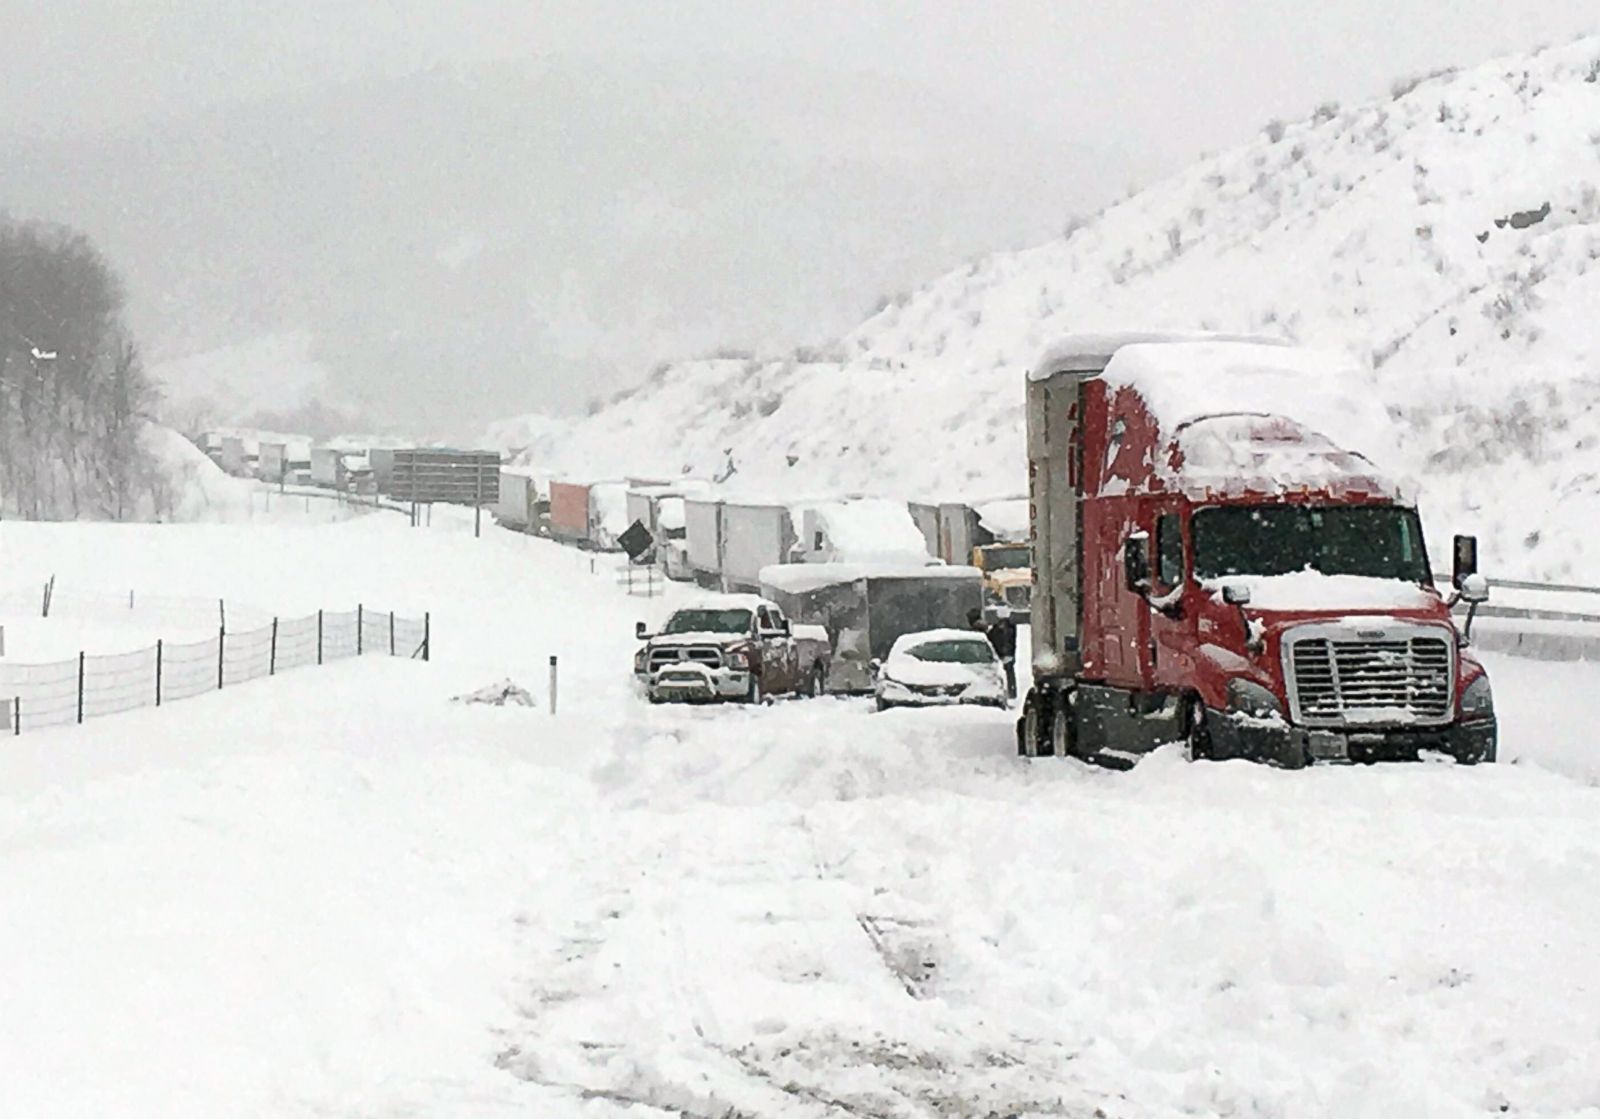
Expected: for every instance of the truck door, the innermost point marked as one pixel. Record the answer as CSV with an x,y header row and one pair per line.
x,y
1173,629
777,652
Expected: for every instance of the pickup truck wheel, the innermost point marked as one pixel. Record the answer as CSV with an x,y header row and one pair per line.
x,y
816,681
1197,736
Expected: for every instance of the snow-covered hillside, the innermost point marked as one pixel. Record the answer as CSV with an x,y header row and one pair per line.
x,y
1448,237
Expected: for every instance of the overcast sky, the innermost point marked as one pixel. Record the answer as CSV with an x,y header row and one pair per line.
x,y
659,179
1172,76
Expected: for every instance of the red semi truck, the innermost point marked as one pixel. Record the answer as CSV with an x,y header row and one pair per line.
x,y
1209,568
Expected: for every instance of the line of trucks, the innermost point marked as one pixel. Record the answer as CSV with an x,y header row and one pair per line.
x,y
723,543
1210,560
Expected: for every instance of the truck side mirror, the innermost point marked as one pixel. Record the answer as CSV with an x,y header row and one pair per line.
x,y
639,631
1466,560
1474,589
1136,562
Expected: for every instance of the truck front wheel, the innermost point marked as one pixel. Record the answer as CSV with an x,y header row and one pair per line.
x,y
1197,735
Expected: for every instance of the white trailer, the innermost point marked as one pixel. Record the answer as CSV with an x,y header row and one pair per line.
x,y
272,462
702,539
233,455
514,506
753,537
327,467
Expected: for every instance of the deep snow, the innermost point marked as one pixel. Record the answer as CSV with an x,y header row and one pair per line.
x,y
338,893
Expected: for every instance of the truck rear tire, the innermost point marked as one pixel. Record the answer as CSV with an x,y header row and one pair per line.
x,y
1036,730
817,681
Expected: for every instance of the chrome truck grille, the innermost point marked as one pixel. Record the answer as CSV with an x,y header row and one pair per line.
x,y
1377,675
707,655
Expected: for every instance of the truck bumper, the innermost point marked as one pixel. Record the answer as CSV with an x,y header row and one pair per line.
x,y
690,683
1281,744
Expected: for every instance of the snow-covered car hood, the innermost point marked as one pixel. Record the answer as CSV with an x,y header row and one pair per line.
x,y
909,670
669,640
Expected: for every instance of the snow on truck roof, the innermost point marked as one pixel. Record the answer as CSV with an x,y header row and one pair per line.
x,y
1251,412
1090,353
801,578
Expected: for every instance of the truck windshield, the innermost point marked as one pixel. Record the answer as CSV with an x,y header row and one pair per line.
x,y
708,621
1002,558
1380,541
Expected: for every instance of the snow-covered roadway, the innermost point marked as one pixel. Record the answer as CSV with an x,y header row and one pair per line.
x,y
337,894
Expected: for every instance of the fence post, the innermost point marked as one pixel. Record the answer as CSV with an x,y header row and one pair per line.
x,y
272,657
158,672
81,660
553,682
222,643
16,716
427,636
130,598
319,636
222,614
361,626
391,633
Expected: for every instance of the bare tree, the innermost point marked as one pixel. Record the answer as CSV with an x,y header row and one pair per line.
x,y
74,397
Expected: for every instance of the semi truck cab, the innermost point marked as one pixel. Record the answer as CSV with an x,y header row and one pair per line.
x,y
1211,569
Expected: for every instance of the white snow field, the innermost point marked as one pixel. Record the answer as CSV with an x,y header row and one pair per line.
x,y
336,893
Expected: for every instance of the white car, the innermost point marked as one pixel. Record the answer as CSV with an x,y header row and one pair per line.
x,y
941,667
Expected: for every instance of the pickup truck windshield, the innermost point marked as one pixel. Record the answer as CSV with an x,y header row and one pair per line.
x,y
953,652
999,559
1380,541
708,621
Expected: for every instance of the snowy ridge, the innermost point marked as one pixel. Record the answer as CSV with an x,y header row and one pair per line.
x,y
1447,239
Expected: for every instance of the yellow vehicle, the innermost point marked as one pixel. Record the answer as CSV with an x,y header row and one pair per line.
x,y
1007,575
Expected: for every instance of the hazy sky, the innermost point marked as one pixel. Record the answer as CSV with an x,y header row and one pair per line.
x,y
661,179
1175,76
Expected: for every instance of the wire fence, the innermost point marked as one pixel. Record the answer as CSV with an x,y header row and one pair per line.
x,y
34,696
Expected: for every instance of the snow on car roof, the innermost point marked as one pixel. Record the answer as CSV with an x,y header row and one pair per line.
x,y
725,602
924,637
1090,353
799,578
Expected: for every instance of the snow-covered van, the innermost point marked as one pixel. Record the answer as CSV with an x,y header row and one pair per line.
x,y
1215,563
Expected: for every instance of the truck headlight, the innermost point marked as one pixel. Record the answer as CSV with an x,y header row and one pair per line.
x,y
639,661
1477,699
1249,698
